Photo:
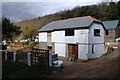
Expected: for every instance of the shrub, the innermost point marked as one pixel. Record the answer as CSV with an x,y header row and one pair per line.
x,y
37,42
109,50
26,43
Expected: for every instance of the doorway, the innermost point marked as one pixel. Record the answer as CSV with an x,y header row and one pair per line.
x,y
73,50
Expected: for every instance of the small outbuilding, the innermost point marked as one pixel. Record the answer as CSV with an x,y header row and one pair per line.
x,y
112,30
82,37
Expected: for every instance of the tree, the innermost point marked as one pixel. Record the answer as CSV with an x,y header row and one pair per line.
x,y
113,11
9,30
118,7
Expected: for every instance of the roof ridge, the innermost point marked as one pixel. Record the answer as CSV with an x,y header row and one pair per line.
x,y
84,21
89,17
111,20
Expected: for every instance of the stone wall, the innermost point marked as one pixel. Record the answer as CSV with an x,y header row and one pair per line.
x,y
118,31
111,36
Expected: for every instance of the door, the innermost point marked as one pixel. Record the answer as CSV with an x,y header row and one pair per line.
x,y
73,50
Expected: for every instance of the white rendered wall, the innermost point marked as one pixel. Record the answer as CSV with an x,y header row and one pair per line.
x,y
82,51
60,49
58,36
98,51
80,36
43,37
97,41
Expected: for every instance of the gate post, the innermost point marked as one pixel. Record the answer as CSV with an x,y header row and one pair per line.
x,y
6,55
14,56
50,59
29,59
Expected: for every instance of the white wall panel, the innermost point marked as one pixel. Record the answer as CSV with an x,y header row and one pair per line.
x,y
43,37
82,52
60,49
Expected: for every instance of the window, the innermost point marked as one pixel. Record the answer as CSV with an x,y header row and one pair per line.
x,y
106,32
96,32
92,48
69,32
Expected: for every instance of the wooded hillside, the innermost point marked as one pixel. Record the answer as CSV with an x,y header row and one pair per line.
x,y
102,11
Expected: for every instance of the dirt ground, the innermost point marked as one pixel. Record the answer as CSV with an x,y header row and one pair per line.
x,y
105,67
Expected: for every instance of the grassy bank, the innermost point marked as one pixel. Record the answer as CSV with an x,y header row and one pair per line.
x,y
20,70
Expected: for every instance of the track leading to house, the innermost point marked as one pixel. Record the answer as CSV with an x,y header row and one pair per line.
x,y
104,67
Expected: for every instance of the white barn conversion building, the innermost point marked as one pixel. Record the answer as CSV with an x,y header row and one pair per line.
x,y
81,36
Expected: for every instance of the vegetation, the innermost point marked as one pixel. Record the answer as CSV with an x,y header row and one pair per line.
x,y
20,70
9,31
28,32
108,50
102,11
28,44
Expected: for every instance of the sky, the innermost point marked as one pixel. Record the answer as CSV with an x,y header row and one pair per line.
x,y
18,10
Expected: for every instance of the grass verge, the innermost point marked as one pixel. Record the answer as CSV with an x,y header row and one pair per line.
x,y
12,69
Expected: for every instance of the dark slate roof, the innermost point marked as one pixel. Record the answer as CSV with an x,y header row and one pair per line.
x,y
69,23
112,24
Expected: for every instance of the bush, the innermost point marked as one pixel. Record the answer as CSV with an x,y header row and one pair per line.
x,y
26,43
18,42
109,50
37,42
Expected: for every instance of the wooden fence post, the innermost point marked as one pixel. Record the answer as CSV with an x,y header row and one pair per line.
x,y
48,62
6,55
29,59
14,56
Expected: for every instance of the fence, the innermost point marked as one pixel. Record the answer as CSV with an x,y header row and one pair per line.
x,y
7,55
21,56
39,57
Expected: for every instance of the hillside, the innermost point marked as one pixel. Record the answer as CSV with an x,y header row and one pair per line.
x,y
102,11
38,22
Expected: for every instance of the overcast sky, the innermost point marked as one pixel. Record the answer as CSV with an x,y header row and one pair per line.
x,y
22,10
